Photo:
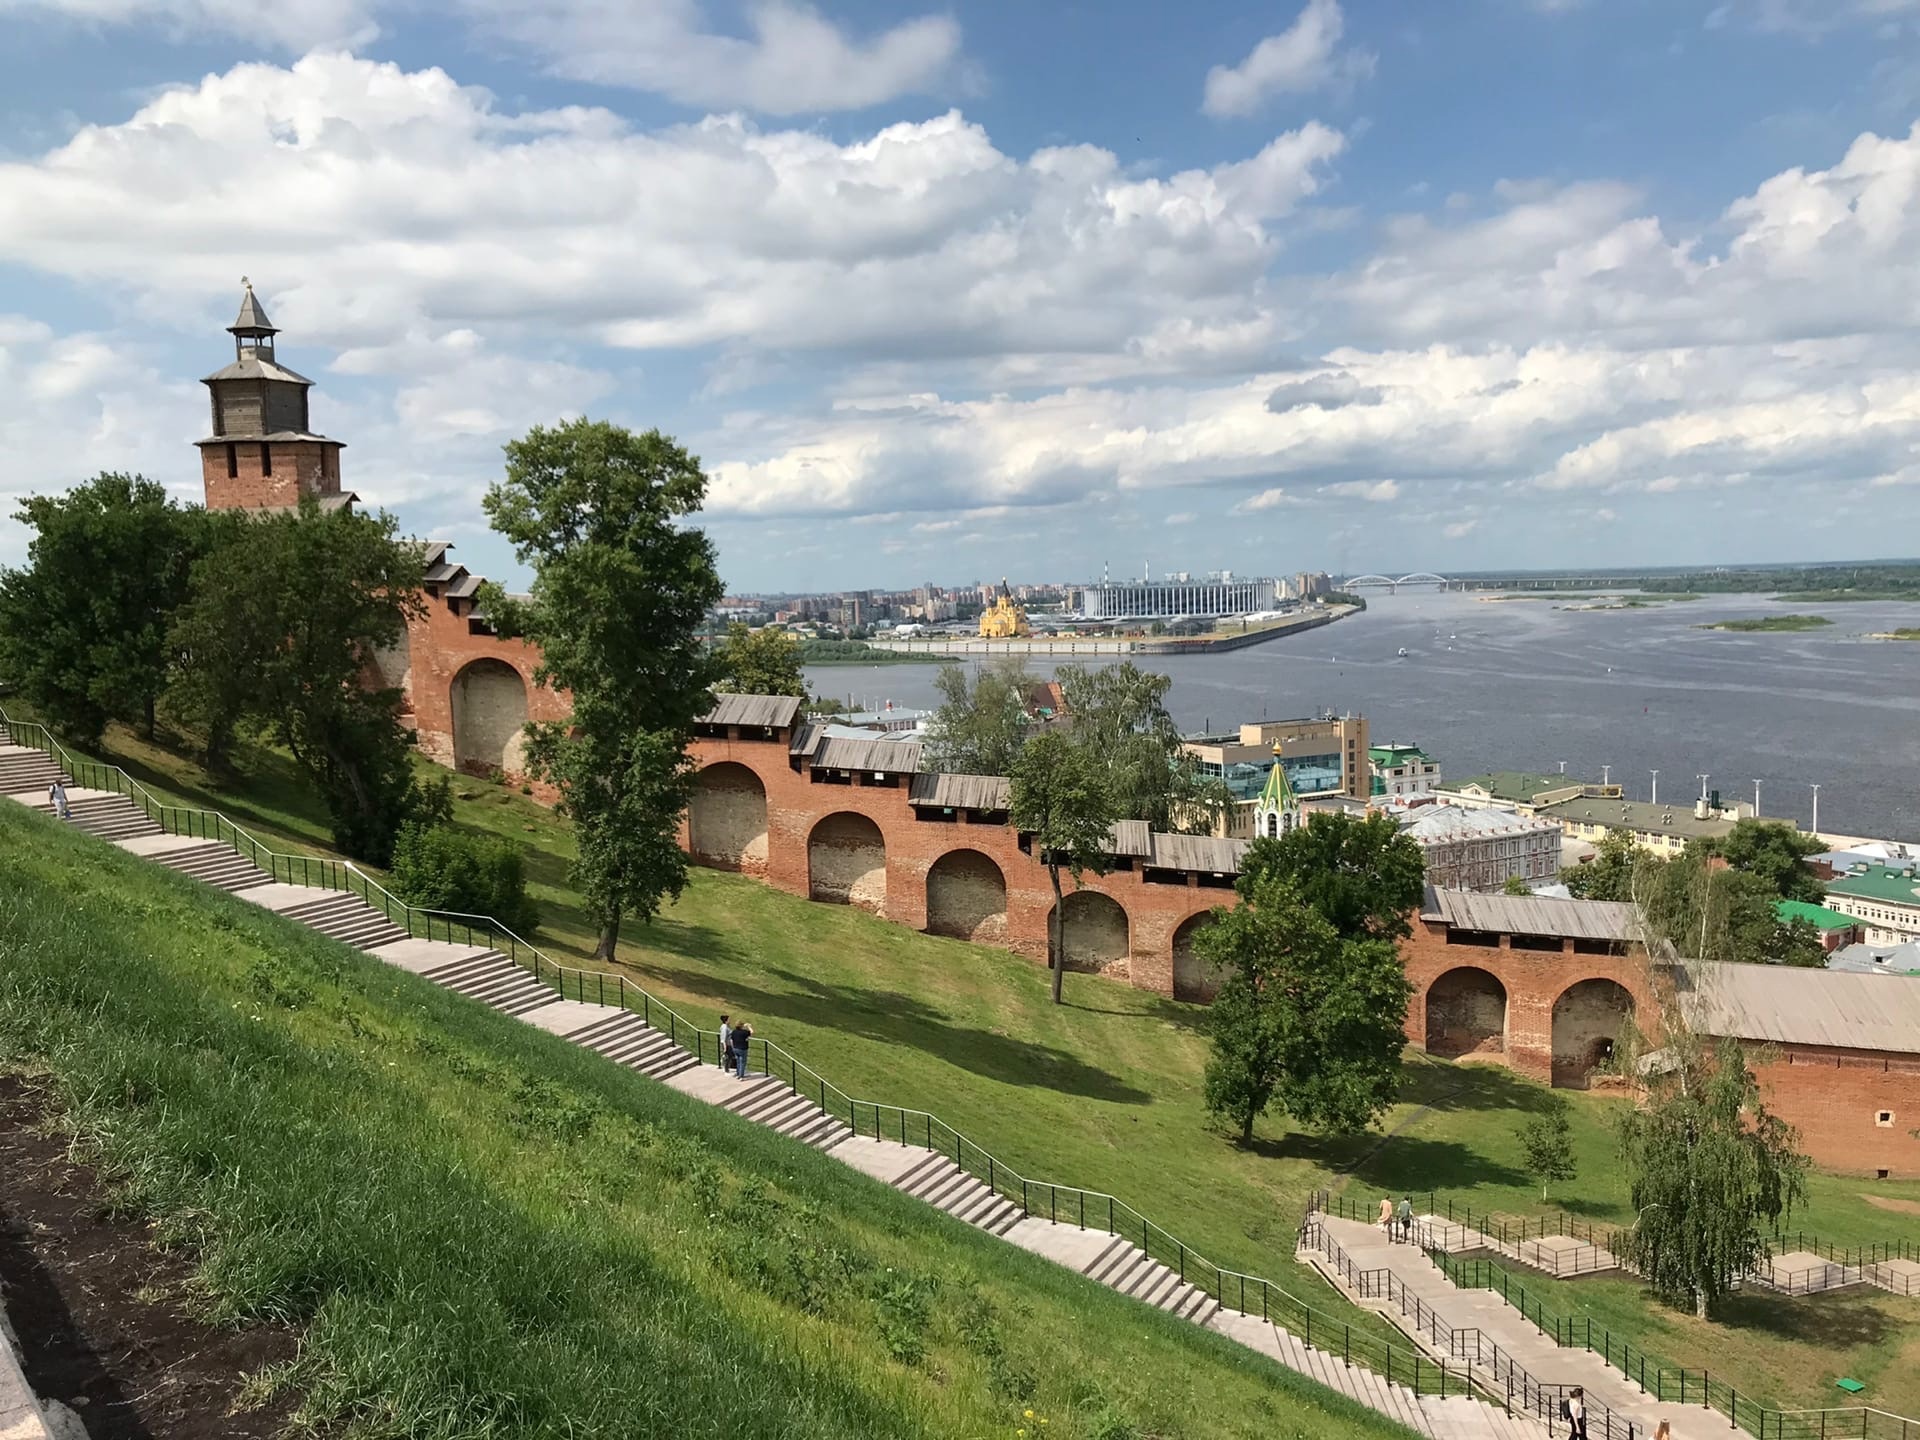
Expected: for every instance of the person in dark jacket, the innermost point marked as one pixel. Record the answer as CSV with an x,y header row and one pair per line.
x,y
742,1037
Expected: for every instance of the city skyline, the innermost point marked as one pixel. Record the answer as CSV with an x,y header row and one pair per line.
x,y
1292,290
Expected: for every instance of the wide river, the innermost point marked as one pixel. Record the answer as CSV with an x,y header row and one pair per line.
x,y
1526,684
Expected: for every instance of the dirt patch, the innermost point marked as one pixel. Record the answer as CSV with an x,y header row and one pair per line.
x,y
98,1308
1887,1202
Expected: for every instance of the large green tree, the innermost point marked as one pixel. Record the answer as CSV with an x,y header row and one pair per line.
x,y
1304,1017
759,662
982,720
1364,877
621,585
83,625
1710,1170
286,616
1060,798
1119,714
1775,853
1609,875
1711,911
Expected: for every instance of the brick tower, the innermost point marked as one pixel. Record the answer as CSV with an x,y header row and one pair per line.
x,y
261,452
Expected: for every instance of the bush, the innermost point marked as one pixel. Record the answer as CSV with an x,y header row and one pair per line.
x,y
445,869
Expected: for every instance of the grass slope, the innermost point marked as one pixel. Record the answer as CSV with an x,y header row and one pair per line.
x,y
1103,1092
485,1231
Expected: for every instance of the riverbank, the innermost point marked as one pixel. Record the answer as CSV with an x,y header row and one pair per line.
x,y
1071,648
1769,624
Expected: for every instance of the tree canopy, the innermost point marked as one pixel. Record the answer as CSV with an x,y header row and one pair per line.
x,y
1118,713
1776,854
621,587
1304,1017
1713,911
759,662
1364,877
284,620
1546,1145
83,626
1609,874
1060,797
981,721
1710,1169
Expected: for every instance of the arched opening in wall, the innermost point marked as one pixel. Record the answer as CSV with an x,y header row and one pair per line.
x,y
847,862
727,819
1193,978
489,705
967,898
1094,933
1587,1021
1467,1014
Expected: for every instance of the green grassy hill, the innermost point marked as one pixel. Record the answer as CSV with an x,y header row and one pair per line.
x,y
484,1231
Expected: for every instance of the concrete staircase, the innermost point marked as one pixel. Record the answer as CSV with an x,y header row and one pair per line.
x,y
343,916
1123,1266
767,1101
24,771
945,1186
213,864
624,1038
489,977
101,812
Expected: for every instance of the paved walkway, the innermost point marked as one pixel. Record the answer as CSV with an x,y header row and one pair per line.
x,y
1528,1347
624,1038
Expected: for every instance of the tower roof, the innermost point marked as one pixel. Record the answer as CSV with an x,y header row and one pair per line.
x,y
253,316
1279,792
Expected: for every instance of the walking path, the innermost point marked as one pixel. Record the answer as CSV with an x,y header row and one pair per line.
x,y
1479,1327
627,1038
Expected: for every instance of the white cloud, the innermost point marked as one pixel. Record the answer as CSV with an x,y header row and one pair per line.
x,y
1305,56
1460,529
369,202
794,60
1376,492
291,25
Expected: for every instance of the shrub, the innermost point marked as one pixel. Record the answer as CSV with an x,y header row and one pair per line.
x,y
446,869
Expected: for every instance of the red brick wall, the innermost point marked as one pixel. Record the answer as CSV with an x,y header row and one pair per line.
x,y
796,804
1834,1097
1534,980
300,468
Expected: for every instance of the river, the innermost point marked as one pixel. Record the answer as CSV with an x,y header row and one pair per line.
x,y
1526,684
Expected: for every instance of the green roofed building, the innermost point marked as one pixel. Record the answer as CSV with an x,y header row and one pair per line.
x,y
1520,790
1836,929
1885,897
1401,769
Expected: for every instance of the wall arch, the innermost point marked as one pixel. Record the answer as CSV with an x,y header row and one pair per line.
x,y
727,819
1193,978
1587,1019
488,701
847,862
1095,934
1467,1013
967,898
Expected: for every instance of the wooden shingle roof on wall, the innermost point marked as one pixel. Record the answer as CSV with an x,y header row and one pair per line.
x,y
961,792
772,712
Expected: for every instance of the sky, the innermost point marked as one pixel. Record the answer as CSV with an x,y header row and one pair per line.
x,y
943,294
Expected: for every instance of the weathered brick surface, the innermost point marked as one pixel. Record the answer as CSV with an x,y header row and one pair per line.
x,y
301,468
1534,981
1835,1098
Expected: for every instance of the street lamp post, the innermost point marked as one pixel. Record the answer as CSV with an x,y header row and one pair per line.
x,y
1654,799
1816,810
1756,799
1703,785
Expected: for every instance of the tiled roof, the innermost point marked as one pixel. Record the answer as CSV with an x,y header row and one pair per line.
x,y
1437,824
1889,884
1790,1005
1818,916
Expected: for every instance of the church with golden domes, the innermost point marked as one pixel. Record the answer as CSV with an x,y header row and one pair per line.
x,y
1004,619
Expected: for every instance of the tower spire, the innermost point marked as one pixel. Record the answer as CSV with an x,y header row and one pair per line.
x,y
252,330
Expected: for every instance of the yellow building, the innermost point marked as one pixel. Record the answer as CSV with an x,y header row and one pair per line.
x,y
1004,619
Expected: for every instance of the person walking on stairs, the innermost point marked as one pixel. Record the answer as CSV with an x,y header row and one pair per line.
x,y
57,798
742,1038
1574,1411
1406,1218
1665,1432
726,1042
1386,1217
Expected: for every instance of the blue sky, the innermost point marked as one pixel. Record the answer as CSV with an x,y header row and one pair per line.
x,y
950,293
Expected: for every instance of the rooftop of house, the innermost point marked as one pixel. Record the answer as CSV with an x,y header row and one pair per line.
x,y
1395,754
1438,824
1877,959
1790,1005
1818,916
1639,816
1531,915
1516,786
1890,884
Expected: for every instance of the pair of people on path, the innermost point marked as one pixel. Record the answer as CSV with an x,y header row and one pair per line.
x,y
1400,1226
57,798
734,1043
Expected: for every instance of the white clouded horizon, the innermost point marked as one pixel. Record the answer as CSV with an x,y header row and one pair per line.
x,y
919,324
